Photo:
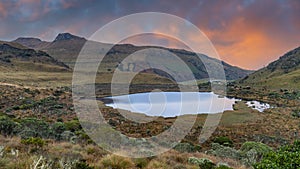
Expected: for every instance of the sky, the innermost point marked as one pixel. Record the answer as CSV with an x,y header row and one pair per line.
x,y
246,33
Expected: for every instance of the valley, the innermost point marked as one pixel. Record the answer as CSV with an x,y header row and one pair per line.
x,y
37,116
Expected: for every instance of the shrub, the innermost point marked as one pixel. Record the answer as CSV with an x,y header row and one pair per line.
x,y
27,133
68,136
203,163
26,106
82,136
296,113
225,141
251,152
257,146
141,162
7,126
116,162
82,165
186,147
37,127
58,128
224,151
38,142
287,157
221,165
34,144
73,125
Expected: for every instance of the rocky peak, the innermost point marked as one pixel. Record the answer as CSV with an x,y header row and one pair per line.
x,y
67,36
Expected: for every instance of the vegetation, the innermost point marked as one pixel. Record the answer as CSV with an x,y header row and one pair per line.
x,y
7,126
186,147
39,127
116,162
202,162
287,157
282,73
225,141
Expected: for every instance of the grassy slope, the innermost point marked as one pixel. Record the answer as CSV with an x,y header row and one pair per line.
x,y
14,44
282,73
273,80
64,78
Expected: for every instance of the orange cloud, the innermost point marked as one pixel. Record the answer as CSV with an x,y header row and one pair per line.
x,y
246,45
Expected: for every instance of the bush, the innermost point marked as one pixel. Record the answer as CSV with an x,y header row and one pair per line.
x,y
116,162
34,144
225,141
38,128
223,167
296,113
141,162
186,147
7,126
69,136
58,128
224,151
82,165
73,125
257,146
252,152
203,163
287,157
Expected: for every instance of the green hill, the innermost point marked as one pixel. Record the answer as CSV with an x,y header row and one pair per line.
x,y
15,57
282,73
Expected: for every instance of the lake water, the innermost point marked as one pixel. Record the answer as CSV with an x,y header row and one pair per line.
x,y
171,104
258,105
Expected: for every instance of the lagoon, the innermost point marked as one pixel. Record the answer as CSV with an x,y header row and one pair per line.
x,y
172,104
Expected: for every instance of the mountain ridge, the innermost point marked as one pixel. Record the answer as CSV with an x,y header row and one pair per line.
x,y
281,73
66,47
17,58
67,36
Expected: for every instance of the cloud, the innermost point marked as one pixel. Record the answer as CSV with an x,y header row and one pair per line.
x,y
252,34
247,33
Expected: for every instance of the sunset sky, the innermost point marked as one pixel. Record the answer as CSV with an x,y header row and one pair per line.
x,y
246,33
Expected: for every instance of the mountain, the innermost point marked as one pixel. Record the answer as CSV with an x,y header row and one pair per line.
x,y
15,57
282,73
33,43
66,48
68,37
191,59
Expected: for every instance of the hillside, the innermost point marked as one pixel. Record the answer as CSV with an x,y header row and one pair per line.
x,y
66,48
15,57
33,43
282,73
